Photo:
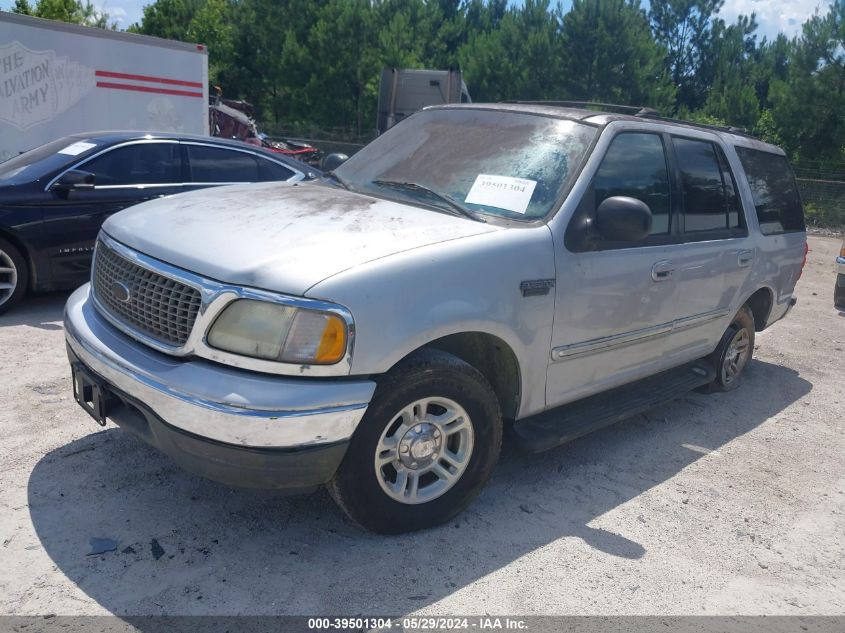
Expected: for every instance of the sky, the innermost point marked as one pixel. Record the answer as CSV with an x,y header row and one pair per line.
x,y
773,16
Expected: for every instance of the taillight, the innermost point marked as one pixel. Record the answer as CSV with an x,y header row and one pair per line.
x,y
842,250
804,261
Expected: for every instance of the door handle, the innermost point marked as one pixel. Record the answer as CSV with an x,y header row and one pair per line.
x,y
745,258
662,270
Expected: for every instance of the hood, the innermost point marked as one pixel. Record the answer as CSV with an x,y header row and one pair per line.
x,y
279,236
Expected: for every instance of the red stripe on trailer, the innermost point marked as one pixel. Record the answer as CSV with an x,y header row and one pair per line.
x,y
154,89
148,78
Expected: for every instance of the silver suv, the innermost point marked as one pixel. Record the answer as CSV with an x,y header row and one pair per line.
x,y
535,267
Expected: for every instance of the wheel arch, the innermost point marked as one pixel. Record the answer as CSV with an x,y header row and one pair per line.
x,y
760,303
25,251
490,355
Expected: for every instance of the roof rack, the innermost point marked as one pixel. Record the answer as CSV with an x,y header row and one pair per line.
x,y
644,112
740,131
623,109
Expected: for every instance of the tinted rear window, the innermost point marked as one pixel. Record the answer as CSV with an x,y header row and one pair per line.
x,y
774,191
218,165
268,170
710,201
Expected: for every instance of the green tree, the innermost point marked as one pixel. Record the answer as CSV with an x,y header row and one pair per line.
x,y
518,56
212,23
683,27
72,11
170,19
808,106
22,7
344,90
611,56
730,69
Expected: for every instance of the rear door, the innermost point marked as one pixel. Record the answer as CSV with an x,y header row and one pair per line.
x,y
779,213
714,260
125,175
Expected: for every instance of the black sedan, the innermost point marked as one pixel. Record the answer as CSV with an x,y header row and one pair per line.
x,y
53,199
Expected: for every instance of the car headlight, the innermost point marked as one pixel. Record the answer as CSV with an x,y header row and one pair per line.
x,y
278,332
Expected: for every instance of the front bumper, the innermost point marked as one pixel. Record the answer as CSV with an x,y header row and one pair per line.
x,y
231,425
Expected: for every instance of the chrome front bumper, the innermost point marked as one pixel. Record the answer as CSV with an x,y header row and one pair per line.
x,y
212,401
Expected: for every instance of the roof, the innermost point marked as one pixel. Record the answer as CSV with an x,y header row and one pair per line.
x,y
118,136
89,31
601,117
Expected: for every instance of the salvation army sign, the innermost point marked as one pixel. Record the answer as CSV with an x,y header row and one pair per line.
x,y
35,86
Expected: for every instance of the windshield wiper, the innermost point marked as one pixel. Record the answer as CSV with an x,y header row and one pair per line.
x,y
333,176
451,203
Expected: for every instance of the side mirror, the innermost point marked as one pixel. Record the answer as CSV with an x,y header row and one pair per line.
x,y
75,179
623,219
333,161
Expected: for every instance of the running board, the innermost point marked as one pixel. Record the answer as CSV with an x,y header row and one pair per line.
x,y
558,426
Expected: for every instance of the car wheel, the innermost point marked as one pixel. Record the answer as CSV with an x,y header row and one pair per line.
x,y
14,276
839,292
733,353
424,449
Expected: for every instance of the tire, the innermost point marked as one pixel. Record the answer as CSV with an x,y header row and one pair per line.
x,y
839,292
427,385
14,276
734,352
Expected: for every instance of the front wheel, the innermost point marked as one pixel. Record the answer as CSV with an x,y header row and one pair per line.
x,y
425,448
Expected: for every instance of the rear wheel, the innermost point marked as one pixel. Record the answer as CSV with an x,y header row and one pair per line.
x,y
734,352
14,275
426,446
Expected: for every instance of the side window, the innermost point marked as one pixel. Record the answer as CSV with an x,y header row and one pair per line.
x,y
774,191
218,164
269,170
138,164
706,197
736,220
635,166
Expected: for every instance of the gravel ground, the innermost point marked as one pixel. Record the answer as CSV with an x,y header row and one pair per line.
x,y
725,504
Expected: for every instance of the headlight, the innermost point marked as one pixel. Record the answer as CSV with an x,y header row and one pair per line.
x,y
278,332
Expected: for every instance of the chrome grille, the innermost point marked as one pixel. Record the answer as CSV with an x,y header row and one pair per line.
x,y
157,306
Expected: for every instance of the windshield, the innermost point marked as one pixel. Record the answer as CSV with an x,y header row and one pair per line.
x,y
504,164
42,160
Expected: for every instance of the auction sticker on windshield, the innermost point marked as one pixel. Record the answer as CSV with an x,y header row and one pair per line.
x,y
502,192
76,148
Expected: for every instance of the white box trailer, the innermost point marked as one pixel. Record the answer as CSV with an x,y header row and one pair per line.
x,y
58,79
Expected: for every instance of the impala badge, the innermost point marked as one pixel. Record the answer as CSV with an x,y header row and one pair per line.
x,y
120,291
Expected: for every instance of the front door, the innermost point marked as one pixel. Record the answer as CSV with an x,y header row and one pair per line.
x,y
614,301
125,176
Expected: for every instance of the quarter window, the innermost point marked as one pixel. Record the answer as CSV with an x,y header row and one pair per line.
x,y
137,164
273,171
773,190
217,164
635,166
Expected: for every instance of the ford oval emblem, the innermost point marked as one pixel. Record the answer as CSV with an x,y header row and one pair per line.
x,y
120,291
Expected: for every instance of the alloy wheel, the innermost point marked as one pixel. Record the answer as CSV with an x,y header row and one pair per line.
x,y
424,450
8,277
736,356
